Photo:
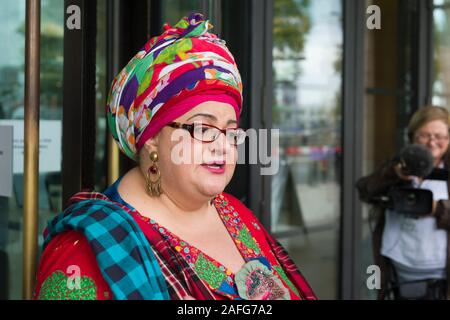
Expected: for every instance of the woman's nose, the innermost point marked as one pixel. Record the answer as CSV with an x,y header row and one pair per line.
x,y
220,145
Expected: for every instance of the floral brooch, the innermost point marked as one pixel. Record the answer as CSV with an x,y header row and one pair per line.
x,y
256,282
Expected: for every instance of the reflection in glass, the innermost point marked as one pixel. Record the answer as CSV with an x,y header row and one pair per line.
x,y
441,80
174,10
52,61
307,95
12,33
12,20
441,2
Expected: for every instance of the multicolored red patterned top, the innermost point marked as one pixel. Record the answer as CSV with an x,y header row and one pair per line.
x,y
268,273
219,278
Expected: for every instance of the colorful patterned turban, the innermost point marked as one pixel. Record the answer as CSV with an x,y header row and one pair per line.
x,y
173,73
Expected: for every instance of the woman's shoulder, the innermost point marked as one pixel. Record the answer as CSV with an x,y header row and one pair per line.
x,y
68,270
65,246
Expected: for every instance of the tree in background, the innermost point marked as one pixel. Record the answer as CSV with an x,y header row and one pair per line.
x,y
291,23
441,58
52,57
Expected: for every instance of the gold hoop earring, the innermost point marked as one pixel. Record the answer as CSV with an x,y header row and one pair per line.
x,y
153,177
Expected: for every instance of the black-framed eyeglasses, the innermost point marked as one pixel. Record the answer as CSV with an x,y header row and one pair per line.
x,y
209,133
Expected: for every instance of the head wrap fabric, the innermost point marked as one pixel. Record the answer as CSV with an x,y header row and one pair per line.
x,y
173,73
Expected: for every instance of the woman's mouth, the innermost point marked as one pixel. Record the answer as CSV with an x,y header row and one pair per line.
x,y
216,167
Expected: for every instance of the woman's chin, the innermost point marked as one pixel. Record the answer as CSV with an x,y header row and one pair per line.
x,y
211,184
210,190
437,155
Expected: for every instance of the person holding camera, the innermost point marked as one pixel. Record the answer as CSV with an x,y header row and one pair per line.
x,y
413,251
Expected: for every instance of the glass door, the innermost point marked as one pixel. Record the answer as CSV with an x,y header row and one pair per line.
x,y
12,57
307,65
441,49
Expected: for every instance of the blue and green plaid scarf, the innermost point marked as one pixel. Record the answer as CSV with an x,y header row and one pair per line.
x,y
123,253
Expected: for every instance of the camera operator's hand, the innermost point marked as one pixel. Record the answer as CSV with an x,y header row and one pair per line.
x,y
399,171
432,214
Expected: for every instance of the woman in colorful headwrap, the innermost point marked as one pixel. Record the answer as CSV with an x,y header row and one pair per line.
x,y
166,229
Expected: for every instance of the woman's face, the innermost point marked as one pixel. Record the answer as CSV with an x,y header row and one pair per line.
x,y
435,136
194,168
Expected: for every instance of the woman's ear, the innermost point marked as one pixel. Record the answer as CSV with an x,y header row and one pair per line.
x,y
152,144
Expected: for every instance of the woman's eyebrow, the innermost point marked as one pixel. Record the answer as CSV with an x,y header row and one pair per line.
x,y
210,116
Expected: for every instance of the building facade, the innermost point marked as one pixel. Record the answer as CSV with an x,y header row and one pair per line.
x,y
334,92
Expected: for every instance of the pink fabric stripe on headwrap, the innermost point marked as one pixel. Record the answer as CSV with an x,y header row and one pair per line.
x,y
164,116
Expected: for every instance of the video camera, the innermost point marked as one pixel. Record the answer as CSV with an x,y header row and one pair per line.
x,y
403,197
